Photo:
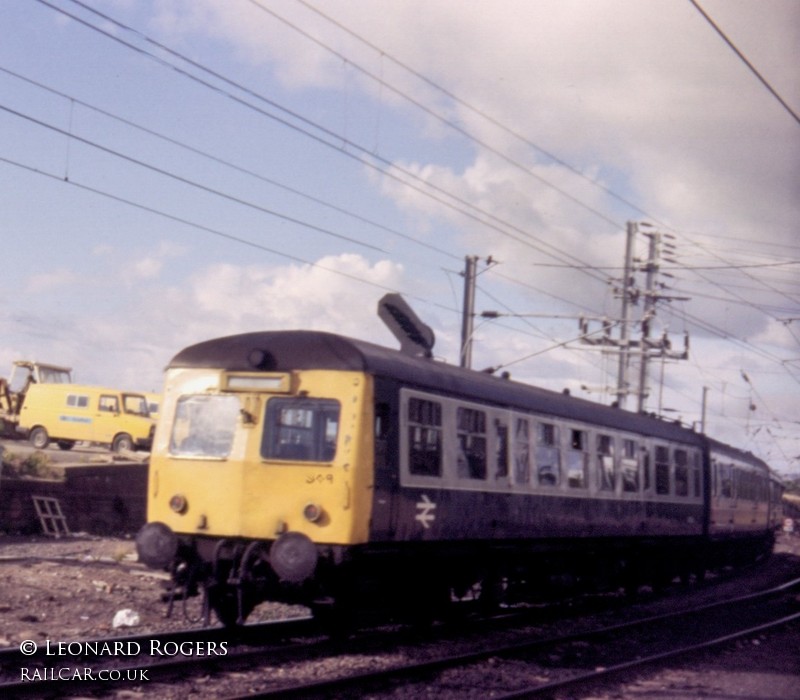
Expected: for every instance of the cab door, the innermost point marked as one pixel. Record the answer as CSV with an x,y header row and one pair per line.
x,y
106,418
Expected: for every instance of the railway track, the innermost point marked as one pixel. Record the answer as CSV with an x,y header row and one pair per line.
x,y
554,661
563,662
42,669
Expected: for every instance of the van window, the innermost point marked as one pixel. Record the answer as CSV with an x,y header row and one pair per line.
x,y
109,402
77,400
135,404
302,429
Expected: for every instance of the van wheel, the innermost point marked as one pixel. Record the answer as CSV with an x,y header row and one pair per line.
x,y
123,441
66,444
39,438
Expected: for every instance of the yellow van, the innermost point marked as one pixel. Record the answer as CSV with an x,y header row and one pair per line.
x,y
68,413
153,404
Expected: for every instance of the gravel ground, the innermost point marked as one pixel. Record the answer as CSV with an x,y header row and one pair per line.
x,y
72,588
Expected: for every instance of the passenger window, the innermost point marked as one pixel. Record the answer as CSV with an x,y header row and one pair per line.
x,y
548,456
696,472
681,473
605,463
522,451
301,429
577,460
501,450
471,431
725,481
424,437
630,466
662,470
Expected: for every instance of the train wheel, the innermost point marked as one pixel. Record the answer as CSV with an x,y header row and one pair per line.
x,y
224,601
39,438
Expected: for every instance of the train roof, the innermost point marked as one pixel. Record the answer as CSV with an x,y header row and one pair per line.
x,y
283,351
735,453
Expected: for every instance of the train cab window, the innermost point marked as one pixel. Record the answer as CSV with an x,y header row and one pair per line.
x,y
606,467
303,430
577,460
471,431
548,455
424,437
630,466
681,473
204,426
522,451
662,470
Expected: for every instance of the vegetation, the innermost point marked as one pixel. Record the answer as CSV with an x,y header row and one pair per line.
x,y
35,466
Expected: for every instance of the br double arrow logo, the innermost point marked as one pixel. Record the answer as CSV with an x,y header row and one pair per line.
x,y
425,508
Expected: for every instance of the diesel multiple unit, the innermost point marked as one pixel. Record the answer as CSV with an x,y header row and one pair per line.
x,y
309,467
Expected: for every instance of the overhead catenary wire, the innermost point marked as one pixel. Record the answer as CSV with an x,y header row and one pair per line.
x,y
595,268
552,251
231,165
362,154
746,61
219,233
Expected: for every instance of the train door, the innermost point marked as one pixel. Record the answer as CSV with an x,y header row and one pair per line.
x,y
386,465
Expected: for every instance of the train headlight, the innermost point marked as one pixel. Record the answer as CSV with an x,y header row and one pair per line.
x,y
312,512
179,504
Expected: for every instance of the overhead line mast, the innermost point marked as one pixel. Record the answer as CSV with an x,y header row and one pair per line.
x,y
628,290
630,294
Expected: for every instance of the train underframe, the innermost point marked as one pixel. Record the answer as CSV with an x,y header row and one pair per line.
x,y
417,582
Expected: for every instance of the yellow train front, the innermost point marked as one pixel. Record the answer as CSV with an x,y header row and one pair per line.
x,y
259,477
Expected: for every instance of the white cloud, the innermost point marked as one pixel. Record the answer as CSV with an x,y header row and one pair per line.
x,y
44,282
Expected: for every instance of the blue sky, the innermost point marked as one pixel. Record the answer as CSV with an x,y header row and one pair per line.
x,y
173,171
